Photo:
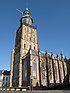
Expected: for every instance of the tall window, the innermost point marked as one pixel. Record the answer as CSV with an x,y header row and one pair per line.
x,y
24,46
56,74
43,70
34,39
25,37
3,78
34,47
6,78
60,67
30,38
30,46
50,69
34,69
24,70
6,83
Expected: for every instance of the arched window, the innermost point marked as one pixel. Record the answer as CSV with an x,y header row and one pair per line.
x,y
30,38
43,70
34,47
25,37
56,74
30,46
24,46
34,69
34,39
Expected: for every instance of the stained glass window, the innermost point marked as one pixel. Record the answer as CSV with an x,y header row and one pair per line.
x,y
56,74
50,70
43,70
34,69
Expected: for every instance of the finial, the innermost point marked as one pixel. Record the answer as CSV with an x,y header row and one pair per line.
x,y
27,8
46,54
51,53
65,58
61,53
57,55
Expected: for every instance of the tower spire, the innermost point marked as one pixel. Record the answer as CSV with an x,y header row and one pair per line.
x,y
27,3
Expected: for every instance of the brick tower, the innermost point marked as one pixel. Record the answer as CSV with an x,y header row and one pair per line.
x,y
26,38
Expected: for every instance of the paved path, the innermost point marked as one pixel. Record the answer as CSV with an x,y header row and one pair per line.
x,y
47,91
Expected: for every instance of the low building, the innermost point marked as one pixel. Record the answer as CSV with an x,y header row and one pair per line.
x,y
4,78
1,78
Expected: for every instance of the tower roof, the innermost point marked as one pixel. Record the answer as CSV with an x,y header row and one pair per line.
x,y
26,18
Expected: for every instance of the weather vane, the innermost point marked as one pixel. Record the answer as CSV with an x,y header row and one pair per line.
x,y
27,3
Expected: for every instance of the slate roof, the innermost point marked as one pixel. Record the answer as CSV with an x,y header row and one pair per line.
x,y
4,72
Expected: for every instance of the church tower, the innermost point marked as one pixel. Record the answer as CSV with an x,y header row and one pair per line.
x,y
26,38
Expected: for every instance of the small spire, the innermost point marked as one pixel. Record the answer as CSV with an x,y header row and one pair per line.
x,y
57,55
52,56
65,58
46,54
61,53
51,53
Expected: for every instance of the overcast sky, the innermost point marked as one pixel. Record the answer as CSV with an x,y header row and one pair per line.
x,y
52,18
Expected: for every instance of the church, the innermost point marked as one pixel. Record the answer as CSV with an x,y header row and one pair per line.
x,y
30,66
